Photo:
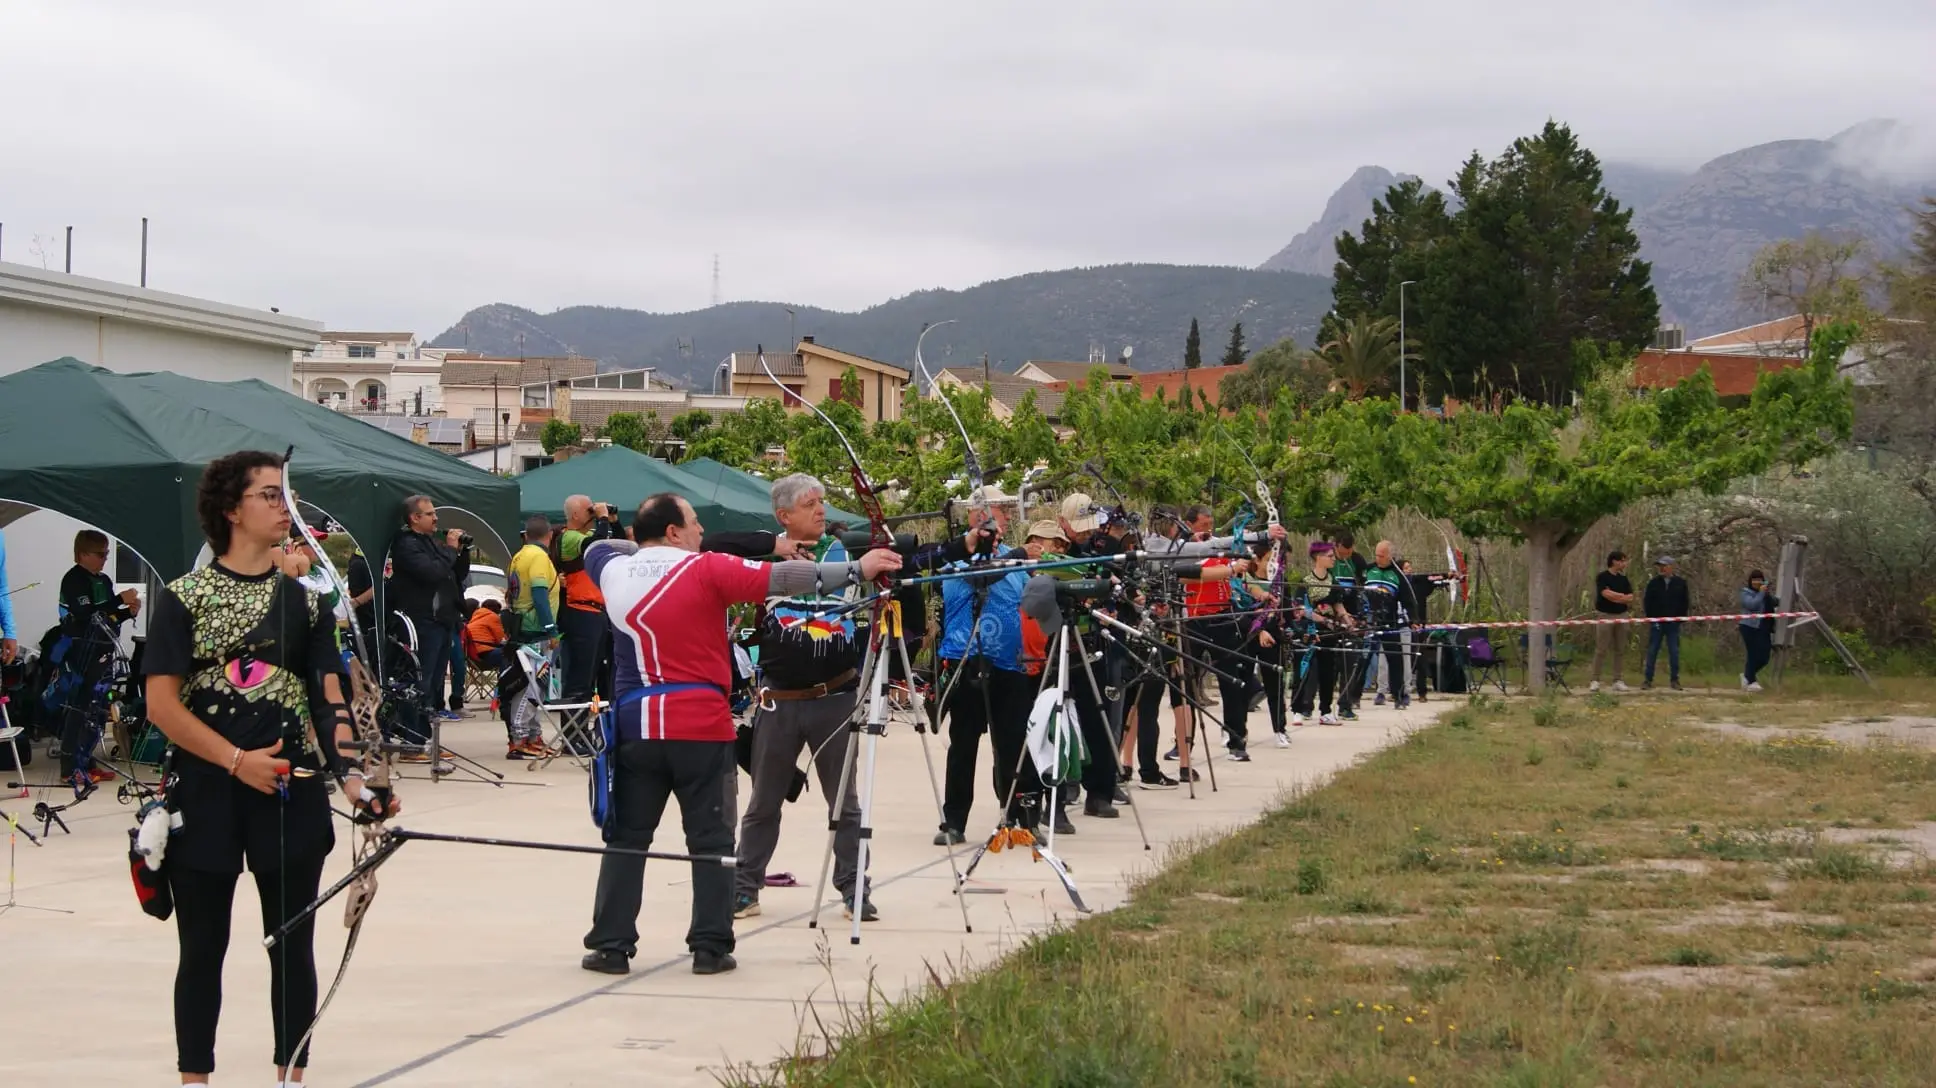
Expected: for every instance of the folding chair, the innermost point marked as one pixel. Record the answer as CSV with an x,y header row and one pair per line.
x,y
480,684
1558,657
565,728
1482,664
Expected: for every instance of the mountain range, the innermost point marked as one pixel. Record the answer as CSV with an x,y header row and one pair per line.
x,y
1042,315
1701,228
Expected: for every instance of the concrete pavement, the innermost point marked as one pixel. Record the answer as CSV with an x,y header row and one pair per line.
x,y
466,972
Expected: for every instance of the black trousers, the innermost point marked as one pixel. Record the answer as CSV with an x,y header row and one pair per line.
x,y
1149,729
585,635
1350,671
203,905
1759,644
1273,679
1235,673
1392,644
1320,679
1092,716
650,772
996,702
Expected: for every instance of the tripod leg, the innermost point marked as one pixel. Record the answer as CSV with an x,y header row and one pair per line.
x,y
870,665
1115,736
921,727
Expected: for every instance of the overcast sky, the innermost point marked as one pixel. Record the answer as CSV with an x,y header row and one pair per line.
x,y
394,164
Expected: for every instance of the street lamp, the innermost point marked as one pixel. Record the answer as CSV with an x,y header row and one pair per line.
x,y
1401,341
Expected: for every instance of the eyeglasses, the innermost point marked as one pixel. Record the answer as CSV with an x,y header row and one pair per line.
x,y
270,495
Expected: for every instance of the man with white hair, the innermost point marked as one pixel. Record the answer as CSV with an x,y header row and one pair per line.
x,y
809,685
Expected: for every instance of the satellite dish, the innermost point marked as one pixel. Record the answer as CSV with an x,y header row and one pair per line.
x,y
1128,350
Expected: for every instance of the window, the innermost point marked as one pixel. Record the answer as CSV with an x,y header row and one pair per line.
x,y
128,566
833,393
400,355
362,351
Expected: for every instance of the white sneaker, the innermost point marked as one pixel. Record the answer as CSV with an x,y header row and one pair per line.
x,y
1752,687
1329,719
1621,685
1744,683
1593,687
1297,721
1283,740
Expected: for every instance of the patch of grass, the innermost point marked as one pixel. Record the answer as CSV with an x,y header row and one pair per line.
x,y
1842,864
1548,713
1535,755
1602,700
1290,984
1540,951
1687,956
1311,879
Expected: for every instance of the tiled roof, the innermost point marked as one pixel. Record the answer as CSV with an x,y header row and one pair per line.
x,y
849,357
510,373
784,364
1734,375
1061,371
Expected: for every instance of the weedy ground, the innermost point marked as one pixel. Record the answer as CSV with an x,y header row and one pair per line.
x,y
1649,891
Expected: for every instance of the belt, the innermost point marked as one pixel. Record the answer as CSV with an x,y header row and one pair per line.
x,y
827,687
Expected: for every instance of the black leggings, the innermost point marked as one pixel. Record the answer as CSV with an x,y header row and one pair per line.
x,y
203,903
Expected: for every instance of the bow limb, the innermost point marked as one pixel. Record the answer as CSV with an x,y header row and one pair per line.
x,y
971,461
864,492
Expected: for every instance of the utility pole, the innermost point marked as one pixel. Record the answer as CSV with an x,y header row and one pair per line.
x,y
497,435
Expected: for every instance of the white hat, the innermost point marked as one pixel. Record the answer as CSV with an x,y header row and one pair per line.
x,y
1077,511
990,494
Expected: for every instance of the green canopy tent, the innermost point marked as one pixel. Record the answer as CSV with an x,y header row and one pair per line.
x,y
625,478
125,452
724,477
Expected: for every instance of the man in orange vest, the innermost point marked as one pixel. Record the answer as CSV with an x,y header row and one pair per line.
x,y
581,622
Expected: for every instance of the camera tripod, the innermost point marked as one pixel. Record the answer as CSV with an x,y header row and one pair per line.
x,y
885,636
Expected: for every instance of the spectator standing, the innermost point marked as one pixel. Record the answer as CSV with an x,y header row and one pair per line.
x,y
1757,635
427,570
1612,597
581,622
533,609
1666,598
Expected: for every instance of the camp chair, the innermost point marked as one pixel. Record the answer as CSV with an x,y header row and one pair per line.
x,y
1482,664
1559,656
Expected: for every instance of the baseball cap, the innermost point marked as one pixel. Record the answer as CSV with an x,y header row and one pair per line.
x,y
1663,561
1047,530
1076,511
989,493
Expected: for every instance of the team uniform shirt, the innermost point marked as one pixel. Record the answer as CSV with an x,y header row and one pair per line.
x,y
532,567
1202,598
668,607
999,638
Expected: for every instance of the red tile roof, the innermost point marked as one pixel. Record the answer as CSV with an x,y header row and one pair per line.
x,y
1734,375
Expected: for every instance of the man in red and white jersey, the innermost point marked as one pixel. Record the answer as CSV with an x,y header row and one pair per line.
x,y
672,664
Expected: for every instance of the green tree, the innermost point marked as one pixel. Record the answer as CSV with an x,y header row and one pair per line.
x,y
688,426
1396,244
1193,347
558,433
1364,355
1545,475
1539,259
1283,369
1233,353
627,429
1816,277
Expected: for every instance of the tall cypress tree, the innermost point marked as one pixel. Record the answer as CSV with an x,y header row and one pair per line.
x,y
1234,354
1193,348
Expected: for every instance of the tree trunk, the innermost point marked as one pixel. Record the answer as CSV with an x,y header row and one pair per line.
x,y
1545,546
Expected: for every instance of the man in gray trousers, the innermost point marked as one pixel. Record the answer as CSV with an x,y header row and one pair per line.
x,y
808,687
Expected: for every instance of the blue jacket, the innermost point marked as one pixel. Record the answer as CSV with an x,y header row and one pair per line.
x,y
1756,600
1000,640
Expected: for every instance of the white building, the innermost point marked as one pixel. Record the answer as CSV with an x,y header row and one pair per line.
x,y
50,315
389,372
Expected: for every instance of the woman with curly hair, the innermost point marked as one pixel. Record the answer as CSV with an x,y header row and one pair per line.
x,y
238,655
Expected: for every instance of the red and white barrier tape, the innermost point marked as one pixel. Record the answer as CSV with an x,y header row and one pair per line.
x,y
1626,619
